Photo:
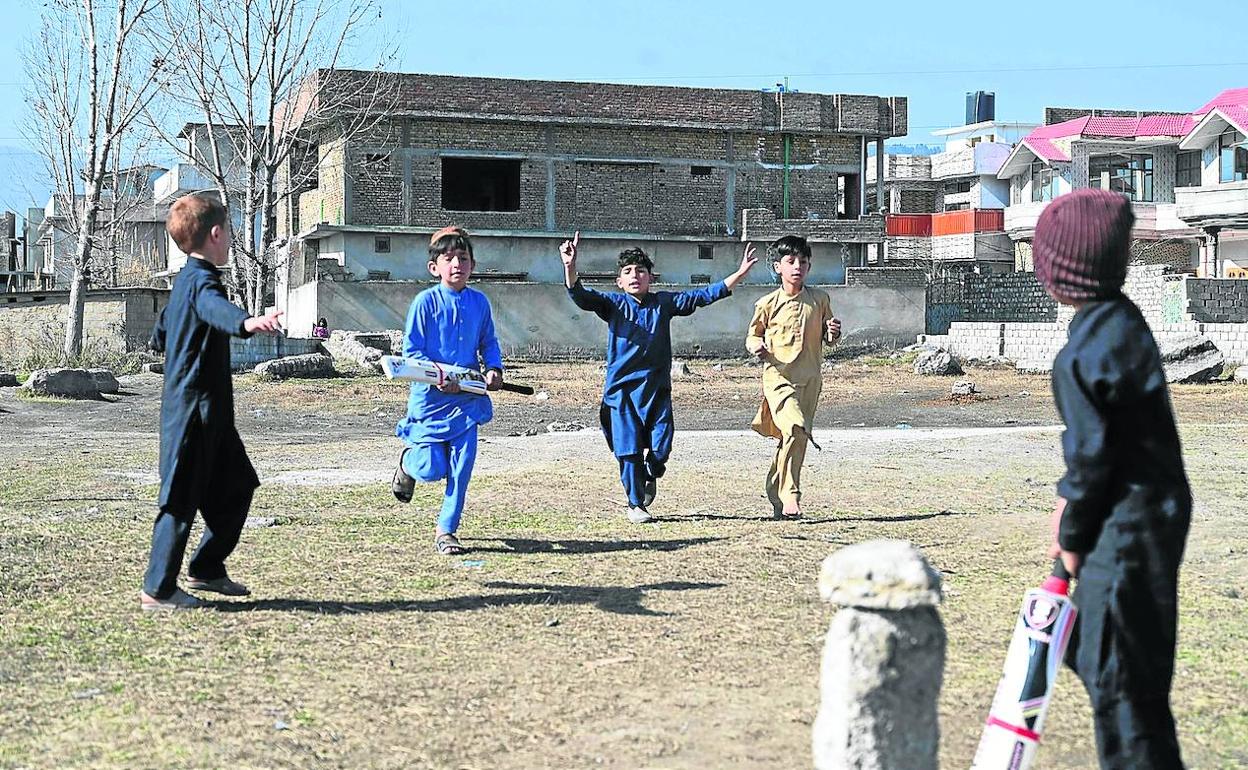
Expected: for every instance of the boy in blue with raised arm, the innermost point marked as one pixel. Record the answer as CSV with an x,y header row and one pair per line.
x,y
636,410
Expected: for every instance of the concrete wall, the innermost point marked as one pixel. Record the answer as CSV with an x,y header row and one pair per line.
x,y
676,261
540,320
245,354
118,320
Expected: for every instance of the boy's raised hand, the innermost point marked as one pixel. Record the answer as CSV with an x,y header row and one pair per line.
x,y
263,323
748,259
568,250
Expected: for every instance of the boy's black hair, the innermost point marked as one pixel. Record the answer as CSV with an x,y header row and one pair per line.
x,y
789,244
637,257
455,239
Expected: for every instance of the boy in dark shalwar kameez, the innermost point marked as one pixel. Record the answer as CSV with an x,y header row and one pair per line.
x,y
1121,521
203,465
636,409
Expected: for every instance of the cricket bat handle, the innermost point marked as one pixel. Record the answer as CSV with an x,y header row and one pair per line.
x,y
524,390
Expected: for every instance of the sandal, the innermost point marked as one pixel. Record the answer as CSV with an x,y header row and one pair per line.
x,y
403,486
448,545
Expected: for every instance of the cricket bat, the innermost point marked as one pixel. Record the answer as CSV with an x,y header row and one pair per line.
x,y
434,373
1016,718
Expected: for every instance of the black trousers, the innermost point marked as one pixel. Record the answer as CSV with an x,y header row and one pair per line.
x,y
223,503
1124,642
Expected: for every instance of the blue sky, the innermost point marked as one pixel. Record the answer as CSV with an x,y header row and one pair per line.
x,y
1084,54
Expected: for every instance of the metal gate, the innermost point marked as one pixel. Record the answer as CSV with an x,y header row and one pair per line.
x,y
945,303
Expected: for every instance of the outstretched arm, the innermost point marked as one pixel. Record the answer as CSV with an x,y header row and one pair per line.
x,y
586,299
568,252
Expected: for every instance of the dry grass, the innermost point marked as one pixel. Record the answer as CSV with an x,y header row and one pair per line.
x,y
569,638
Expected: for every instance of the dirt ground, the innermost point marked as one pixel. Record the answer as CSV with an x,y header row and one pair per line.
x,y
568,637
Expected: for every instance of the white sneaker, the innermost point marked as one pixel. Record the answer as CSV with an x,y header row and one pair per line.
x,y
178,600
639,515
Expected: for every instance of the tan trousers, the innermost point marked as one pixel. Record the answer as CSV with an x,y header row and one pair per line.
x,y
786,414
785,476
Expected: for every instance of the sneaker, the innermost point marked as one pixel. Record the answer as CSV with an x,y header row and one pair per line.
x,y
221,585
403,486
649,491
178,600
637,514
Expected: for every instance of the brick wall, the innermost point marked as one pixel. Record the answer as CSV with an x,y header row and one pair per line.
x,y
1217,300
886,277
901,248
1007,297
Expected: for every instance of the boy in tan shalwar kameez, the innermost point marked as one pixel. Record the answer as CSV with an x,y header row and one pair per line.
x,y
787,333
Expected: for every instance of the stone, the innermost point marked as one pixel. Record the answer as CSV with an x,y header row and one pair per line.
x,y
307,365
936,362
155,367
883,660
8,380
879,574
105,382
1241,375
1191,359
364,348
681,369
67,383
564,427
964,388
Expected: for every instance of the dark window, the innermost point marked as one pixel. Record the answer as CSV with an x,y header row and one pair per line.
x,y
1131,175
1043,182
1187,169
381,244
848,197
955,187
700,278
699,171
706,251
957,206
1233,157
480,184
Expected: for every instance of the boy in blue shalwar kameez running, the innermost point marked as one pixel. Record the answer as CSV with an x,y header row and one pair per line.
x,y
636,410
449,323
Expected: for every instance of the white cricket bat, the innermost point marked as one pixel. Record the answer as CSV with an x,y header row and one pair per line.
x,y
1016,719
434,373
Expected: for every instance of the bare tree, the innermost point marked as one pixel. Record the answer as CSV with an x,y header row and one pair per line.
x,y
89,82
249,71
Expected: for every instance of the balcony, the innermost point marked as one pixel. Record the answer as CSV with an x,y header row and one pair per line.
x,y
180,180
1223,205
982,159
1021,218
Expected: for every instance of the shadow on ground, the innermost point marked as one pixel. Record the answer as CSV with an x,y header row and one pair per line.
x,y
620,600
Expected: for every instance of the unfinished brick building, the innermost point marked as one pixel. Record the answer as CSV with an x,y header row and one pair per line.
x,y
524,163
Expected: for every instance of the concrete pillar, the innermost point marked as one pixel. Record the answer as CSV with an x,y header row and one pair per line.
x,y
1211,252
879,172
883,660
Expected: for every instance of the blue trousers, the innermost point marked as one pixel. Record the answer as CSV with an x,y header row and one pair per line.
x,y
451,460
635,471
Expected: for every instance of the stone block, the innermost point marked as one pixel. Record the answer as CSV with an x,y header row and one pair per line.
x,y
104,380
65,383
1192,358
306,366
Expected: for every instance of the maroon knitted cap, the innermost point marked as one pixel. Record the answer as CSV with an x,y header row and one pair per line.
x,y
1083,243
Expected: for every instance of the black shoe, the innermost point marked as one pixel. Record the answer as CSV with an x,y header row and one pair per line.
x,y
649,491
403,485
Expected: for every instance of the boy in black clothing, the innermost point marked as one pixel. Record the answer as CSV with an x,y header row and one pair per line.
x,y
203,465
1124,504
